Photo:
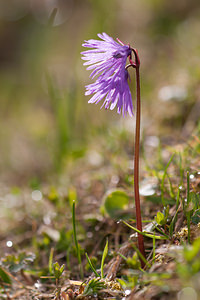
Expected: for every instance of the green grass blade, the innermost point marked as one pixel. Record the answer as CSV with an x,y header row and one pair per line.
x,y
122,256
75,240
178,198
105,252
51,261
188,214
141,256
181,168
188,188
154,248
171,192
5,278
163,179
173,222
91,266
158,237
162,233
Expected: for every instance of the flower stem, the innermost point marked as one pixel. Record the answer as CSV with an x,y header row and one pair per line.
x,y
136,160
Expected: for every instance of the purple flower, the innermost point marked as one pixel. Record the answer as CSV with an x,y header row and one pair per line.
x,y
107,59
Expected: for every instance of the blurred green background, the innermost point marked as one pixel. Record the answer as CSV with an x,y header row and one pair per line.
x,y
45,121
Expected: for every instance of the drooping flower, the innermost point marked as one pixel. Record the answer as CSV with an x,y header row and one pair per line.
x,y
107,59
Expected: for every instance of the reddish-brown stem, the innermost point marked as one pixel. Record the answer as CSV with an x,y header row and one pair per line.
x,y
136,167
136,160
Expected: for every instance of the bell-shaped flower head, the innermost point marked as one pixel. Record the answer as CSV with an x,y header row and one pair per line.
x,y
107,60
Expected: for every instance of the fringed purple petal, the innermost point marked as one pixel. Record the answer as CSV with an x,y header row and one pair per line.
x,y
107,59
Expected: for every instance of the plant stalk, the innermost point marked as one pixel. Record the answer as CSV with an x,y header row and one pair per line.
x,y
136,161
